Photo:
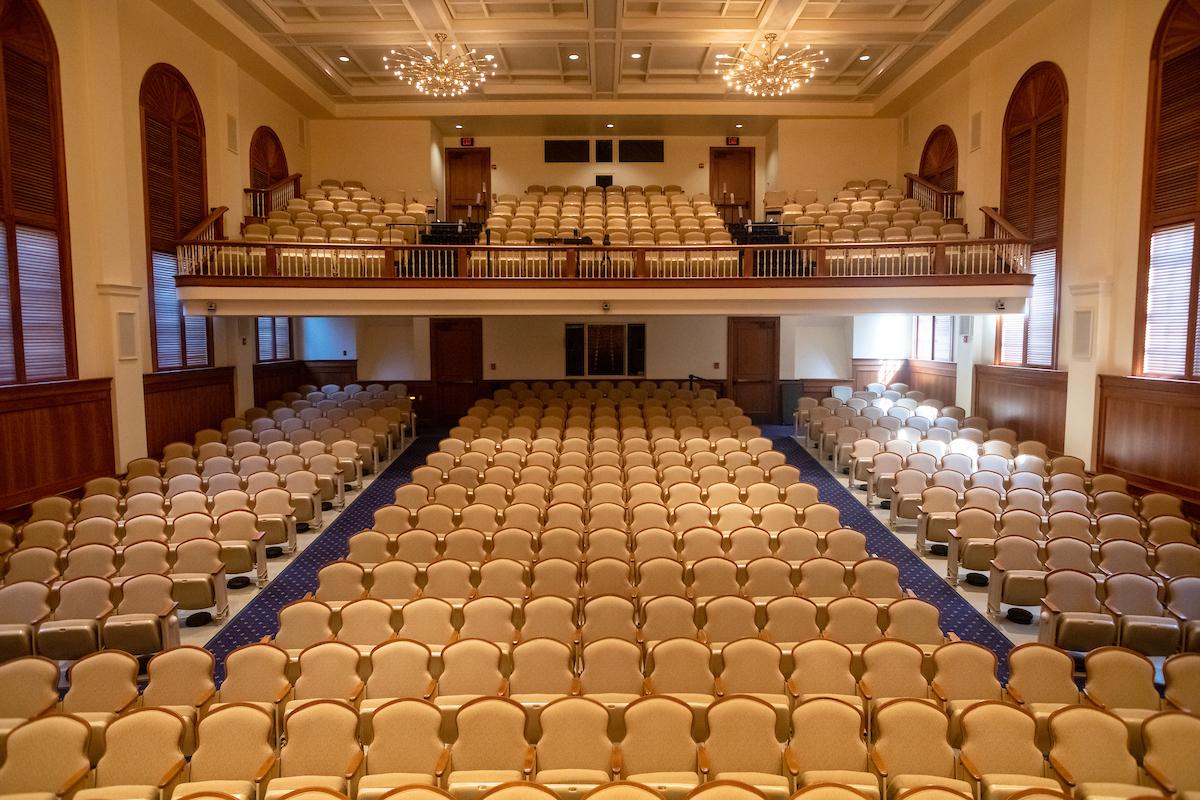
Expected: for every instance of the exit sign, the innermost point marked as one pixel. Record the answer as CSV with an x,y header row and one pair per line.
x,y
733,141
466,141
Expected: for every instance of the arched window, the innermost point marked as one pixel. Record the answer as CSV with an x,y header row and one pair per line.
x,y
37,326
1168,336
1031,198
176,201
268,163
939,159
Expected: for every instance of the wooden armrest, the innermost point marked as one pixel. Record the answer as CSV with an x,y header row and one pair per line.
x,y
702,761
172,773
1159,777
938,691
970,767
430,688
1015,694
1092,700
615,761
576,687
718,687
502,690
791,762
206,697
73,780
1062,771
284,692
529,761
358,690
443,761
1049,606
647,686
877,763
864,689
264,769
792,688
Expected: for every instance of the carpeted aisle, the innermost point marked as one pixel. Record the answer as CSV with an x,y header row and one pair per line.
x,y
958,615
260,616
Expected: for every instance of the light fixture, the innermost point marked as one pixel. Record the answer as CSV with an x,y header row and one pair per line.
x,y
344,59
573,56
768,69
864,57
737,125
635,55
609,125
458,127
439,74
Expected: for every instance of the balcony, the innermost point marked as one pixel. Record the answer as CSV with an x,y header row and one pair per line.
x,y
966,276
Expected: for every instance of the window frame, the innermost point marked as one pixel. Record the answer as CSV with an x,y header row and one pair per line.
x,y
154,72
918,355
1163,50
625,326
274,357
1041,71
28,25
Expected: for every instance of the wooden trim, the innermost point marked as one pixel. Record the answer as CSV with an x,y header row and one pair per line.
x,y
937,379
1145,431
940,131
273,378
820,388
181,402
339,371
264,133
1015,280
54,437
48,56
1031,401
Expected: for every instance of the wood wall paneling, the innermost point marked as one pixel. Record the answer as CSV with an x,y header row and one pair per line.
x,y
340,371
937,379
54,437
1145,431
1031,401
182,402
273,378
819,388
878,370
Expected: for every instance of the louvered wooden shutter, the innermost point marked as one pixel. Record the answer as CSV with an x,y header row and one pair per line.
x,y
943,338
33,166
1177,149
283,338
8,345
266,339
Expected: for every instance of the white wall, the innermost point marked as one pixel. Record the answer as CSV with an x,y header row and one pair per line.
x,y
882,336
823,154
385,154
814,347
327,338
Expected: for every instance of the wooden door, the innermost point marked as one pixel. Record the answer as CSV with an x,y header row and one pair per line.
x,y
939,159
456,366
731,181
468,183
753,358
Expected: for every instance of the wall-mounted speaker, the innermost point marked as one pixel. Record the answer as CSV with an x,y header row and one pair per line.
x,y
127,349
1083,334
231,133
976,130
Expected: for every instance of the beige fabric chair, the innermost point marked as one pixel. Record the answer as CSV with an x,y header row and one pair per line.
x,y
142,757
235,753
405,748
623,790
46,758
1122,682
1170,758
181,680
1182,675
30,690
1072,617
542,671
827,746
999,753
659,750
574,753
321,750
490,747
23,605
681,668
328,670
964,674
1041,680
101,686
754,667
726,790
742,746
910,748
1089,753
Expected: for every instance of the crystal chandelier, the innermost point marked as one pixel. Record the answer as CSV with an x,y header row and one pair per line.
x,y
438,74
769,70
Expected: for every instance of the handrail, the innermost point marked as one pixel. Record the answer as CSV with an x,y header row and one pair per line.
x,y
260,202
997,227
211,228
933,196
694,379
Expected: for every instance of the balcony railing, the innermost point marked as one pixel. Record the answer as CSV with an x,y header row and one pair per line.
x,y
300,262
933,197
260,202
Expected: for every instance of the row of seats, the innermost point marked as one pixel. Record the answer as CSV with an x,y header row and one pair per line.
x,y
965,733
805,230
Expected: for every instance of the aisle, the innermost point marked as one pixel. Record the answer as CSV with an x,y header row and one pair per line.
x,y
958,615
260,616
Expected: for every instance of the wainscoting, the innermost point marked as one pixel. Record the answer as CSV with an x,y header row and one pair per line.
x,y
341,372
1033,402
938,379
274,378
180,403
818,388
53,438
1146,430
878,370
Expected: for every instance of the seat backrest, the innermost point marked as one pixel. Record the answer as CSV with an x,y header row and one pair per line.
x,y
140,747
574,735
321,738
1092,745
910,738
233,742
741,736
658,737
491,735
827,734
1000,738
405,738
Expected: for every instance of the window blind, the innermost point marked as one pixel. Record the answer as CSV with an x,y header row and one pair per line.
x,y
924,346
274,335
1169,301
943,338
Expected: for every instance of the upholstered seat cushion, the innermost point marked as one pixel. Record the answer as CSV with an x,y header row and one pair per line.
x,y
571,777
131,792
672,784
899,783
278,787
864,782
1112,791
242,790
1024,587
372,787
471,784
999,786
30,796
1085,630
774,786
853,699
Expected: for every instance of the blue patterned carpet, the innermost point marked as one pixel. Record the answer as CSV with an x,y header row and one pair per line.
x,y
958,615
260,616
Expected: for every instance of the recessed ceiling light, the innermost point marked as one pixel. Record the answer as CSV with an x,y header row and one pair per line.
x,y
458,127
573,56
864,57
609,125
635,55
738,125
343,59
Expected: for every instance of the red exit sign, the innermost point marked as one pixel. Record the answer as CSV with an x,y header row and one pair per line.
x,y
733,141
466,141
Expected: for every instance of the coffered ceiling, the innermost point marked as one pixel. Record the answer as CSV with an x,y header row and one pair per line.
x,y
601,49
